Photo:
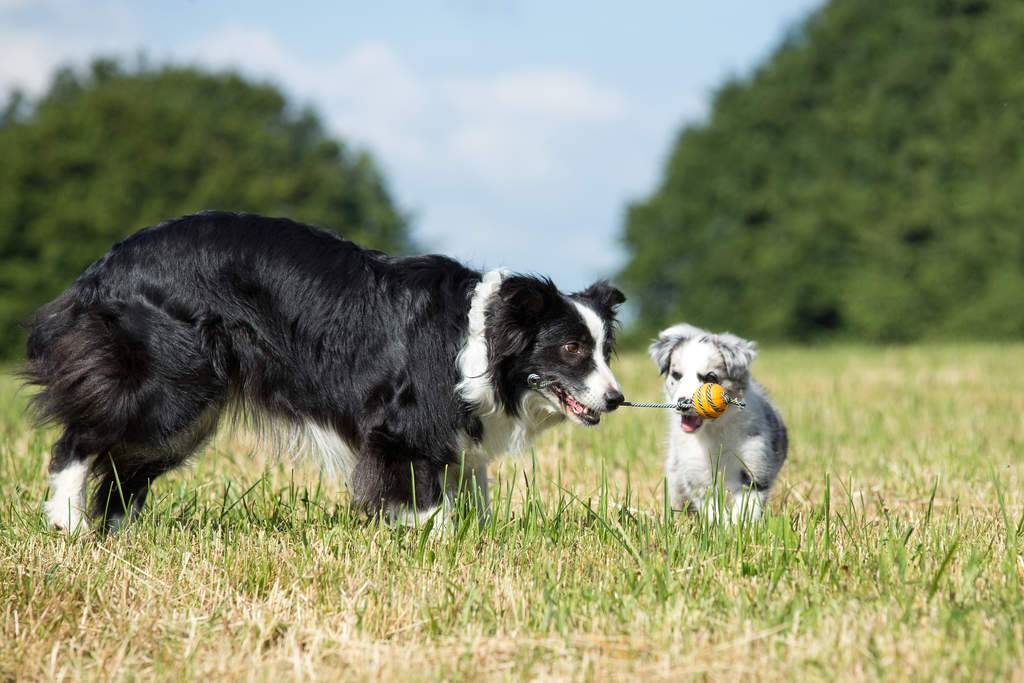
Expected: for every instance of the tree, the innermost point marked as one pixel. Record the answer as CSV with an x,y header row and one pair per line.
x,y
108,151
865,182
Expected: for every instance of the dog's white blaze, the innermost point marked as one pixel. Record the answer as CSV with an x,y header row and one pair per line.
x,y
66,507
692,358
601,380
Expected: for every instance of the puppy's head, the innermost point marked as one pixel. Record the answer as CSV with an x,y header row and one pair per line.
x,y
566,340
688,356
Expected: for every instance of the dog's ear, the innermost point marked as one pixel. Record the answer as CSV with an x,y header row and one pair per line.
x,y
604,295
738,354
521,300
661,348
528,296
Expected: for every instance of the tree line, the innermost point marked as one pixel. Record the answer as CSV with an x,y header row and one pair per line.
x,y
866,182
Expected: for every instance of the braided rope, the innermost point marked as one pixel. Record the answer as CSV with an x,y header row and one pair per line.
x,y
650,404
683,403
534,381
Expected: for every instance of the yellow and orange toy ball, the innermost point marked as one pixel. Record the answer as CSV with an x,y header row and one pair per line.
x,y
712,400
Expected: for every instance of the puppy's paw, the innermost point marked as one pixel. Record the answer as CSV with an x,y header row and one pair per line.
x,y
746,508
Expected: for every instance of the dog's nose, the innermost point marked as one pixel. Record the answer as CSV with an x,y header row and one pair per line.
x,y
613,398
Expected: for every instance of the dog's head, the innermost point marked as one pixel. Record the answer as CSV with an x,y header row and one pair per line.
x,y
566,340
688,356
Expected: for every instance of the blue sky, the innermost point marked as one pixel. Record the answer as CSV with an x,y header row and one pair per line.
x,y
514,132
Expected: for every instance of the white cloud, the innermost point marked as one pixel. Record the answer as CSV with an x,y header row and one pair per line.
x,y
368,93
6,5
495,131
498,129
554,94
513,126
37,37
26,63
499,168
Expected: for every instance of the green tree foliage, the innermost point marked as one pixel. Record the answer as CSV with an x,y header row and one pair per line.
x,y
109,151
866,182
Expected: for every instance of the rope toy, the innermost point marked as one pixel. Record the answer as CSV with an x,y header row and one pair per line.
x,y
710,400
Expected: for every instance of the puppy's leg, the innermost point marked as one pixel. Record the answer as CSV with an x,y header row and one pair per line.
x,y
691,479
709,505
678,473
748,482
747,506
678,491
69,474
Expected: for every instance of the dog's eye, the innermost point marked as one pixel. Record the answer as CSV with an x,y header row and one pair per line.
x,y
710,378
676,375
573,347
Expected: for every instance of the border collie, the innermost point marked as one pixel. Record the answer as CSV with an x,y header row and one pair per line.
x,y
743,450
400,374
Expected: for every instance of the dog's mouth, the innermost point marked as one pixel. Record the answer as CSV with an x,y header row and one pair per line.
x,y
691,422
575,408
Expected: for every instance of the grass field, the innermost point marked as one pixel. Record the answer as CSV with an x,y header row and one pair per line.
x,y
894,550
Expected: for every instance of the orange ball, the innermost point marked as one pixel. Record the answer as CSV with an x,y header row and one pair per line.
x,y
710,401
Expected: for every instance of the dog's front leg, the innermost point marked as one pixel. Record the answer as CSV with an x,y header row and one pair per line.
x,y
440,515
462,494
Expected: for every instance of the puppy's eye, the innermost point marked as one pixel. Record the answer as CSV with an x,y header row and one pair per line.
x,y
676,375
574,348
709,378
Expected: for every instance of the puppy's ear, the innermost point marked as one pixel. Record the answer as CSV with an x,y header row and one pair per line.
x,y
738,354
661,348
528,296
604,295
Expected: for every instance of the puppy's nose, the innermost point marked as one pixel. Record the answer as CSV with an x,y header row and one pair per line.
x,y
613,398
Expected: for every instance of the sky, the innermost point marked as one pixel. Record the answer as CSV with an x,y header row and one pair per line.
x,y
514,133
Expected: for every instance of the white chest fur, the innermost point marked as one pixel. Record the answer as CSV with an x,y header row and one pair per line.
x,y
502,433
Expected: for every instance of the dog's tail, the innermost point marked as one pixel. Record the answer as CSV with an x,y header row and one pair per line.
x,y
102,362
75,348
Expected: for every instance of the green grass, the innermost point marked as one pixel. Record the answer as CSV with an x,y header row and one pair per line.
x,y
893,550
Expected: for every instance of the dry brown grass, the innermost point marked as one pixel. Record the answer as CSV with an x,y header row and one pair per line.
x,y
894,551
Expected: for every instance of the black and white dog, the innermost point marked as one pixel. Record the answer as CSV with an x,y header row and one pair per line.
x,y
391,370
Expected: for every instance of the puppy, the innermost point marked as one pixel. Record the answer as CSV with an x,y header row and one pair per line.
x,y
743,450
401,374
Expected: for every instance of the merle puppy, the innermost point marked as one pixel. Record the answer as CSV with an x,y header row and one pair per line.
x,y
402,374
743,450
